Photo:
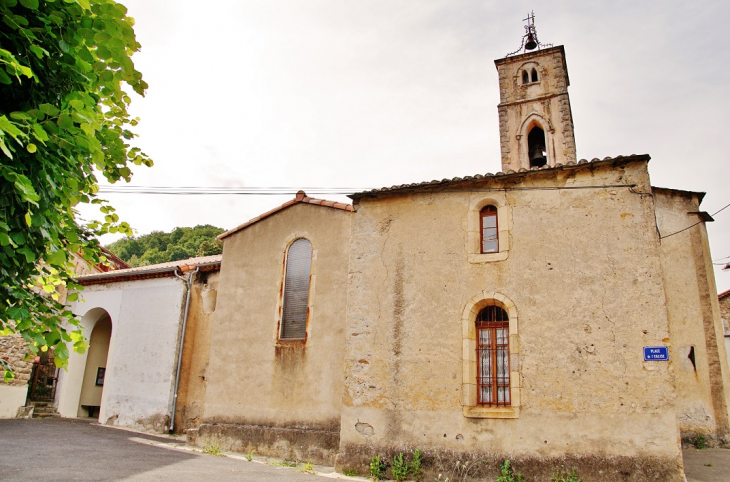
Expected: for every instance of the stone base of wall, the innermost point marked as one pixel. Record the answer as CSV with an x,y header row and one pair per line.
x,y
484,466
706,438
298,444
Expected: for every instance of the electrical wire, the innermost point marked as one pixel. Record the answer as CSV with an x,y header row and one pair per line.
x,y
695,224
279,191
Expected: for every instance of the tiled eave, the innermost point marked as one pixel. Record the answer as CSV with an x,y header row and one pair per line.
x,y
151,272
510,175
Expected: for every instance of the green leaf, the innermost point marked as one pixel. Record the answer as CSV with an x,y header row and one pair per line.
x,y
64,121
40,133
72,297
49,109
29,255
31,148
56,257
28,222
9,127
31,4
84,4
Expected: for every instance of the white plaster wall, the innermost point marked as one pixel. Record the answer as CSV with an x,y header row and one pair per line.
x,y
11,399
140,375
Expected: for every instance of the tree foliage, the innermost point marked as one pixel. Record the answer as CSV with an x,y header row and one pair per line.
x,y
63,120
159,247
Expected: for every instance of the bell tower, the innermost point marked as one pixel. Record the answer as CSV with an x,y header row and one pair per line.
x,y
535,120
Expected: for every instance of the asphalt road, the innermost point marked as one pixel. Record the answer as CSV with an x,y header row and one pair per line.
x,y
67,449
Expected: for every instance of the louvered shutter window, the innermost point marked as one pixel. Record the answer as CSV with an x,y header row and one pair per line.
x,y
296,290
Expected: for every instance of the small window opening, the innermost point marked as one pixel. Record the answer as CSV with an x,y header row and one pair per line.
x,y
525,77
536,147
534,75
691,357
489,229
493,371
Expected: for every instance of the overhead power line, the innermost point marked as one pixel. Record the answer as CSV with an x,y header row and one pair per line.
x,y
197,190
695,224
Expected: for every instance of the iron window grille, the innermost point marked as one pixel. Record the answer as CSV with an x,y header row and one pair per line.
x,y
493,370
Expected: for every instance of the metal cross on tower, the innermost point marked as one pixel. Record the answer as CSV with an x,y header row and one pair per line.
x,y
529,40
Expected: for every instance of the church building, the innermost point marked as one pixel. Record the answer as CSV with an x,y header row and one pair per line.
x,y
546,314
559,313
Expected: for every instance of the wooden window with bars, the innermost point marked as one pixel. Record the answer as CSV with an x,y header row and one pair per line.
x,y
296,291
493,370
489,230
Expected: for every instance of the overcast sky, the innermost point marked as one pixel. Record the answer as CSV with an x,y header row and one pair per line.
x,y
371,93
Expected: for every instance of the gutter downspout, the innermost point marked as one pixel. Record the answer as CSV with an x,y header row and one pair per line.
x,y
188,282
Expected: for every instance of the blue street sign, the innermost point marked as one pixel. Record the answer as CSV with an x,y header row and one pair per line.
x,y
656,353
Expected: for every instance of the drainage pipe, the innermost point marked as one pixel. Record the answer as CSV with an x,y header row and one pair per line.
x,y
189,283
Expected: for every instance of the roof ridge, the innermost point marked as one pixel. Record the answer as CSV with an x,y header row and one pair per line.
x,y
300,198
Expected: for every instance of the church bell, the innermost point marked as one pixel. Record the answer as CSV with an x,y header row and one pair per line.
x,y
537,158
531,43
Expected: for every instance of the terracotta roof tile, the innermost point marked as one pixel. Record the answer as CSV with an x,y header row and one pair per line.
x,y
301,197
523,172
207,263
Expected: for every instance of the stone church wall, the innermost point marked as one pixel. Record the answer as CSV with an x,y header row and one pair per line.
x,y
697,342
583,278
278,397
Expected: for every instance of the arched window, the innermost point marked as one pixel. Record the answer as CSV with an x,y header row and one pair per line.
x,y
525,77
296,291
536,147
489,230
493,371
534,75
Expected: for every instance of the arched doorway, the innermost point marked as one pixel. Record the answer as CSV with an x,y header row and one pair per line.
x,y
92,386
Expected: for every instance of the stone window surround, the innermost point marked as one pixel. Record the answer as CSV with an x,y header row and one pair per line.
x,y
536,120
474,234
470,408
528,67
312,281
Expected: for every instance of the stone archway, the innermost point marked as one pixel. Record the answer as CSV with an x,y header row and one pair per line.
x,y
93,381
82,370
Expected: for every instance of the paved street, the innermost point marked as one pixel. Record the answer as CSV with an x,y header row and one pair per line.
x,y
64,449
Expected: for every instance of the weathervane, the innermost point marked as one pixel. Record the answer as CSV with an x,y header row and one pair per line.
x,y
529,40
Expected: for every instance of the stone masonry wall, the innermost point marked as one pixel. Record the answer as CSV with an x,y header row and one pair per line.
x,y
13,350
725,312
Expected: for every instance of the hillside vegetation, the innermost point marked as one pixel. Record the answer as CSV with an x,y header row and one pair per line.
x,y
160,247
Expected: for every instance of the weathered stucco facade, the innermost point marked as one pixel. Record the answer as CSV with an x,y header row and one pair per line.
x,y
724,299
582,283
141,313
196,351
276,396
697,343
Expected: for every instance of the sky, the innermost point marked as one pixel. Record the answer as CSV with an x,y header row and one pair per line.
x,y
372,93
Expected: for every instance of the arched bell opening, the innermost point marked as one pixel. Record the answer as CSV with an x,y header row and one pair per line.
x,y
92,386
525,77
536,147
534,75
